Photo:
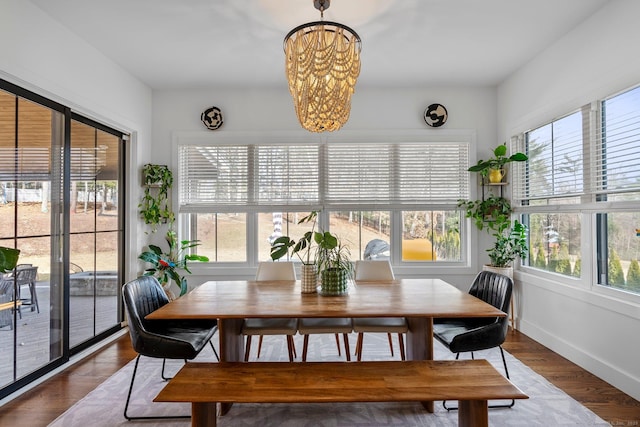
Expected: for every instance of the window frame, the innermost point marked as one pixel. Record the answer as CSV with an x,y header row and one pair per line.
x,y
464,136
590,205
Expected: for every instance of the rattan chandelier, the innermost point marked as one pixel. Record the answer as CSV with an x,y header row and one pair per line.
x,y
322,65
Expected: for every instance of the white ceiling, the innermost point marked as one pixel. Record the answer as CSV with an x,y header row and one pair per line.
x,y
216,43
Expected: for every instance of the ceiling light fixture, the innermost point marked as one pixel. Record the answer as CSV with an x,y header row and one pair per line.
x,y
322,65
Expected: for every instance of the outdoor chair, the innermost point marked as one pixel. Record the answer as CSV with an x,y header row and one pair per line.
x,y
475,334
7,303
27,274
166,339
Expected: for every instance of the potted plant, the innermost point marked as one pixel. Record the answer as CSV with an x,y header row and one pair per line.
x,y
8,259
509,245
166,266
154,207
493,213
334,264
493,168
302,249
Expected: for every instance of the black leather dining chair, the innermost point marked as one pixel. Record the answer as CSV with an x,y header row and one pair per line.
x,y
166,339
475,334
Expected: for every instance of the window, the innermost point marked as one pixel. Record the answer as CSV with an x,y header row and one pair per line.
x,y
359,187
617,183
582,168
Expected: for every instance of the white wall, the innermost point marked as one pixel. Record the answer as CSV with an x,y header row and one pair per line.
x,y
373,110
596,330
40,55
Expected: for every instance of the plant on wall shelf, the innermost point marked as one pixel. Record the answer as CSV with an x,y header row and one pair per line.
x,y
494,166
154,207
493,213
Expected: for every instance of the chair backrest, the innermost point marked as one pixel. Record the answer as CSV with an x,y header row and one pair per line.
x,y
281,270
141,297
26,274
495,289
374,270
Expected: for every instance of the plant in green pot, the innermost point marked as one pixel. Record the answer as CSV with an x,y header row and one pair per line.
x,y
302,249
334,264
168,266
493,168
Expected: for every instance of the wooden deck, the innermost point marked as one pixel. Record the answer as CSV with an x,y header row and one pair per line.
x,y
32,331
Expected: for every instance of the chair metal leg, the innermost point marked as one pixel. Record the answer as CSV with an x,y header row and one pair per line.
x,y
34,297
214,351
126,406
504,362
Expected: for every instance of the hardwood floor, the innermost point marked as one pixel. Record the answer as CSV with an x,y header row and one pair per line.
x,y
44,403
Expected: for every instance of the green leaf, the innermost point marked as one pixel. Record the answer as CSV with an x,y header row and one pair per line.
x,y
149,257
482,165
155,249
8,258
518,157
500,150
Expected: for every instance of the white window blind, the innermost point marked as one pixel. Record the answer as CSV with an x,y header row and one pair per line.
x,y
358,174
287,174
433,172
555,166
617,159
213,176
225,177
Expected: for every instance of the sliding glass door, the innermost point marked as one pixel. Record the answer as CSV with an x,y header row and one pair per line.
x,y
61,206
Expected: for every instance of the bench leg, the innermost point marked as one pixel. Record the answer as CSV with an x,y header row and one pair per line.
x,y
203,414
473,413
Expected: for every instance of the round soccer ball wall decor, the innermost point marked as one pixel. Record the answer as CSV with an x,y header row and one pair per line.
x,y
212,118
435,115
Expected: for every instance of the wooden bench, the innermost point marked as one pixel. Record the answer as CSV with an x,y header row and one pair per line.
x,y
471,382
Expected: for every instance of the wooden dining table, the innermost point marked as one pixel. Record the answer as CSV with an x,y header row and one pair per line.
x,y
417,300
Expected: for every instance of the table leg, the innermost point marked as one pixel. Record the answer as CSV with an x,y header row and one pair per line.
x,y
231,347
420,344
203,414
473,413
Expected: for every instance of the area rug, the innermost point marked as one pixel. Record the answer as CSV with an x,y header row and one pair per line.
x,y
547,405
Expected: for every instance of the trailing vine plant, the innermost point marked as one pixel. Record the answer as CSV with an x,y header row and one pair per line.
x,y
154,207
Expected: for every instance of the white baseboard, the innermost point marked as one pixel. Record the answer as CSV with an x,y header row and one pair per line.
x,y
623,381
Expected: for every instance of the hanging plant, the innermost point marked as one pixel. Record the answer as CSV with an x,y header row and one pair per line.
x,y
154,207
